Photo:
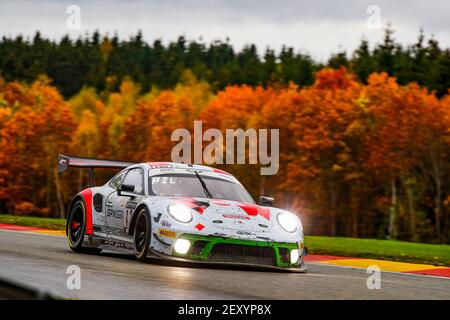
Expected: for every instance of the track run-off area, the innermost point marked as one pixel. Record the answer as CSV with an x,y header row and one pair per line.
x,y
39,259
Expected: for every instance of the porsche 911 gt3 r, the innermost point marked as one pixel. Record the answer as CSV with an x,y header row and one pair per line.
x,y
180,212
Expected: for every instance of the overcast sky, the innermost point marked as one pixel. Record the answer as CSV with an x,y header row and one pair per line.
x,y
319,27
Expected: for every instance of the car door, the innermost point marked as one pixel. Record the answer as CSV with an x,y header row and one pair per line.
x,y
120,208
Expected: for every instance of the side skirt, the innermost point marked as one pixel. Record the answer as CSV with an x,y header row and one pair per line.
x,y
109,242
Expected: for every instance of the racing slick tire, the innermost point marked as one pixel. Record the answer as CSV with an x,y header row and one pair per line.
x,y
76,228
142,234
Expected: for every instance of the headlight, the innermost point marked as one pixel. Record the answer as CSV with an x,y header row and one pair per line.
x,y
294,256
182,246
180,213
287,221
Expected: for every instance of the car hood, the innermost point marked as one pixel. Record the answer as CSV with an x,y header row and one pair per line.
x,y
239,218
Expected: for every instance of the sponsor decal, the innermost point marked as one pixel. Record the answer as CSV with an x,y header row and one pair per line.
x,y
166,170
166,224
131,205
245,233
107,242
114,244
159,165
115,213
118,214
167,233
234,216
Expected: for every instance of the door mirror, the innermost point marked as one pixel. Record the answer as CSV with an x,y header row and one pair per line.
x,y
124,188
266,201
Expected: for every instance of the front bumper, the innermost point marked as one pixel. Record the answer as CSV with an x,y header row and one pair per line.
x,y
231,251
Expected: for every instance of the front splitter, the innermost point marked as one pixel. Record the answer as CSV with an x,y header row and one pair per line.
x,y
229,265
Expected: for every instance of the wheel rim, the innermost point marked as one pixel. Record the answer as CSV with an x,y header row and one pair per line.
x,y
76,225
141,231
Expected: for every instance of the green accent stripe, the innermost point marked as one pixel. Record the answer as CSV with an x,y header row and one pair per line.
x,y
211,241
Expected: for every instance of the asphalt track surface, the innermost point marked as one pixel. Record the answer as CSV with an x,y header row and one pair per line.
x,y
41,261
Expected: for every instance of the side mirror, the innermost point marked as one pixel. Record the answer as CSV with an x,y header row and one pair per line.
x,y
124,188
266,201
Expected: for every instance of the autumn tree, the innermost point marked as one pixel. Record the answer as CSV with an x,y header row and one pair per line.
x,y
322,128
39,127
238,107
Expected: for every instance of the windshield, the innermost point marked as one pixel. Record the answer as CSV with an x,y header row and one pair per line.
x,y
189,185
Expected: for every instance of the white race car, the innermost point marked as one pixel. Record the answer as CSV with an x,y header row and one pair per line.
x,y
180,212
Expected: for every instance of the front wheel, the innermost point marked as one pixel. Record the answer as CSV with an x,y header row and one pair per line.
x,y
76,227
142,234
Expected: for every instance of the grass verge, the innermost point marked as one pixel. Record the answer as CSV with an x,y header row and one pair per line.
x,y
402,251
436,254
37,222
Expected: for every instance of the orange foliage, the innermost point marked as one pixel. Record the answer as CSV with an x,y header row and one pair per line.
x,y
153,122
39,128
355,159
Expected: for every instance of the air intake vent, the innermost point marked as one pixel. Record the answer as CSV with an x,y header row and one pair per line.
x,y
242,253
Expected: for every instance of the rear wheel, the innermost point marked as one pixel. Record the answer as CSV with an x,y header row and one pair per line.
x,y
76,227
142,234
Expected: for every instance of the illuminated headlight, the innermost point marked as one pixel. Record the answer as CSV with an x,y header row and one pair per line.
x,y
287,221
182,246
294,255
180,213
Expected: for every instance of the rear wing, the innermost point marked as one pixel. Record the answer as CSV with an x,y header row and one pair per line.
x,y
65,162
